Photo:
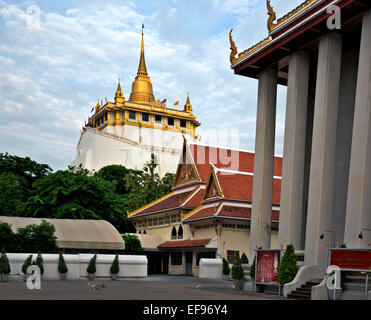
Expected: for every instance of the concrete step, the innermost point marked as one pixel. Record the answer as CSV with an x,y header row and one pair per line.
x,y
304,290
298,296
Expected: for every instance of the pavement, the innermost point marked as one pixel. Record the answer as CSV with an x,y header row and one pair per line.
x,y
154,287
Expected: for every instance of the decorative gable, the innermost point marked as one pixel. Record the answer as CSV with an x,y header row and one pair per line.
x,y
212,189
186,173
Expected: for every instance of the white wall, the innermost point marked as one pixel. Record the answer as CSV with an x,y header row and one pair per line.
x,y
130,266
211,268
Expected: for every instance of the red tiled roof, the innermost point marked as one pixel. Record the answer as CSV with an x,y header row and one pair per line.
x,y
227,211
195,200
239,187
184,243
226,159
172,201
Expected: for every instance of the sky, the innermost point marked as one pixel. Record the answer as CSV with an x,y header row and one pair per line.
x,y
58,57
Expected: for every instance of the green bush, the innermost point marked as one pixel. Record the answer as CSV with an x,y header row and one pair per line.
x,y
115,265
27,263
91,267
244,259
237,270
288,266
226,268
4,263
40,262
62,267
132,243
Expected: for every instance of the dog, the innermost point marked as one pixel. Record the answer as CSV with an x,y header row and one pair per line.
x,y
95,287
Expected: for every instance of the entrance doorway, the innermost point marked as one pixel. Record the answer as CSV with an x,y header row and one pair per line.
x,y
189,263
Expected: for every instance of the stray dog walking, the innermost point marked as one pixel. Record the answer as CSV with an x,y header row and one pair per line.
x,y
95,287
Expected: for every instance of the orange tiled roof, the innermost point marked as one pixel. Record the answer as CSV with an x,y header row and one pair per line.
x,y
184,243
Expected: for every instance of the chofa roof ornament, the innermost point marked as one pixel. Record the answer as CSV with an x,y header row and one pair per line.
x,y
233,48
272,16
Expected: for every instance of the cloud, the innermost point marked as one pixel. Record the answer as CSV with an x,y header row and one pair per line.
x,y
52,75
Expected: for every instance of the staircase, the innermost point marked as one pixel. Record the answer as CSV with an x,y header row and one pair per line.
x,y
354,285
304,292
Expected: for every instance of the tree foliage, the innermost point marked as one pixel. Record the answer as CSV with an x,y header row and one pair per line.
x,y
226,268
4,263
62,267
244,259
132,242
115,268
27,263
288,266
237,270
91,266
40,262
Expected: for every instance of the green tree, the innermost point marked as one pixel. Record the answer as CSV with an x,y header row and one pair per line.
x,y
117,174
62,267
91,266
33,238
288,266
132,242
226,268
115,268
40,262
7,237
237,270
244,259
13,195
26,264
4,263
75,195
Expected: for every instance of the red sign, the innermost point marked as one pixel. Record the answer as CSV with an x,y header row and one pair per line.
x,y
351,259
267,265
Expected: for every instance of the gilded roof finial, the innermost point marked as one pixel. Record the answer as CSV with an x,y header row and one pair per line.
x,y
118,87
188,106
233,48
272,16
142,69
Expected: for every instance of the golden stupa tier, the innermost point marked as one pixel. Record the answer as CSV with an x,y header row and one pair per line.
x,y
155,116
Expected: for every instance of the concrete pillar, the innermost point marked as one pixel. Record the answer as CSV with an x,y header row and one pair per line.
x,y
348,84
358,214
261,219
320,197
291,212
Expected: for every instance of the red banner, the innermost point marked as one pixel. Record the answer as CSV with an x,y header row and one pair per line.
x,y
351,259
267,265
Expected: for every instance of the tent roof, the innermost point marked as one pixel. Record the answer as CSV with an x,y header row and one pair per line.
x,y
74,233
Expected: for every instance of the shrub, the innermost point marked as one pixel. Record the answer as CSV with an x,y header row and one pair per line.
x,y
62,267
115,265
288,266
226,268
7,237
343,246
252,270
40,262
237,270
4,263
27,263
244,259
132,243
91,267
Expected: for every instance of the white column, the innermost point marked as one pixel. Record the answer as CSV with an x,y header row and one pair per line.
x,y
291,211
261,219
358,214
320,197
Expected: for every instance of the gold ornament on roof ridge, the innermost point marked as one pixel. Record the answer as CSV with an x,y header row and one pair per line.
x,y
272,16
234,50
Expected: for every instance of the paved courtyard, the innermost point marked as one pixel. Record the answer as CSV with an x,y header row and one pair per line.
x,y
156,287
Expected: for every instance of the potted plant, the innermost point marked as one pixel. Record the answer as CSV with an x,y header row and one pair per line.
x,y
4,266
115,268
244,259
91,269
226,269
25,265
40,263
62,267
237,272
288,267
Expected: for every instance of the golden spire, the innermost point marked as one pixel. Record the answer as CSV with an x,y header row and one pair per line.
x,y
141,91
119,97
188,106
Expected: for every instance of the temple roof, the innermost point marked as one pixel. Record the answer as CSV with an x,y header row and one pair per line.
x,y
184,244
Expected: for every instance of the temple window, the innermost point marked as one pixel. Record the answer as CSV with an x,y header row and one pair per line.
x,y
149,222
173,233
183,123
180,232
176,258
170,121
132,115
158,119
145,117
